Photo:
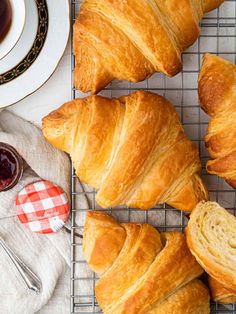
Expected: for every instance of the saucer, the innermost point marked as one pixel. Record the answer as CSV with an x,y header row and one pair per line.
x,y
37,53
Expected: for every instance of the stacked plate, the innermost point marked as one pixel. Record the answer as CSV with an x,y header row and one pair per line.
x,y
42,38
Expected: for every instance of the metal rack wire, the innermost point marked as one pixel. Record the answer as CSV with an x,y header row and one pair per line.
x,y
218,36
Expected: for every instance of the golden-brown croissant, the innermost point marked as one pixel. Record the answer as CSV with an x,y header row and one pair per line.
x,y
142,271
133,150
132,39
217,93
219,293
211,237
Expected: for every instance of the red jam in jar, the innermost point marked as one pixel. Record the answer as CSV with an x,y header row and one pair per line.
x,y
11,167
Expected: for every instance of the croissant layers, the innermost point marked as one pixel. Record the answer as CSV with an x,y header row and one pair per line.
x,y
133,150
217,93
219,293
132,39
142,271
211,237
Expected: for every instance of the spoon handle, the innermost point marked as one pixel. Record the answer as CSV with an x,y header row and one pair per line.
x,y
30,279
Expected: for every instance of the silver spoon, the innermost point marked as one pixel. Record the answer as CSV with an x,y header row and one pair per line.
x,y
30,279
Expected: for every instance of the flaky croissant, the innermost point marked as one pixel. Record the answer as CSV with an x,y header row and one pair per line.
x,y
211,237
133,150
142,271
217,93
219,293
132,39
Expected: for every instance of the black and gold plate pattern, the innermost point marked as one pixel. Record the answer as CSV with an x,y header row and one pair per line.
x,y
36,48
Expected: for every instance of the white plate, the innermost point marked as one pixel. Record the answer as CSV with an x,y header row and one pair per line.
x,y
36,55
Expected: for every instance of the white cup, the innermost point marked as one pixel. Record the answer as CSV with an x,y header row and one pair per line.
x,y
16,28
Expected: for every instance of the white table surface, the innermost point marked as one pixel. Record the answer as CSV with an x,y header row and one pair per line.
x,y
55,92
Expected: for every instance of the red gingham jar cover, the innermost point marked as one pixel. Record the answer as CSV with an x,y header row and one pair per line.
x,y
42,207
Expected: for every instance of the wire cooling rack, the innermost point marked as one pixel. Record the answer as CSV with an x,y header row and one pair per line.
x,y
218,36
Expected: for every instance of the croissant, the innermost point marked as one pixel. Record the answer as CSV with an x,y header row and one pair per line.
x,y
132,39
133,150
142,271
217,93
219,293
211,237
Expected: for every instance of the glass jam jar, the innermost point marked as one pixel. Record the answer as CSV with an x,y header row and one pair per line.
x,y
11,167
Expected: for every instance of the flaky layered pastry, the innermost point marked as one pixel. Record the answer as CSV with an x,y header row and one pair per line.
x,y
133,150
132,39
211,237
217,93
142,271
219,293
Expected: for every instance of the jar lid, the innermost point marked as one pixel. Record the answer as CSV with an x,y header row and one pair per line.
x,y
42,207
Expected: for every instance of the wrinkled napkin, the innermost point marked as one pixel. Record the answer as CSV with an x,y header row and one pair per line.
x,y
47,255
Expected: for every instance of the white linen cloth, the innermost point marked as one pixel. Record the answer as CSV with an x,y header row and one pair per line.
x,y
47,255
